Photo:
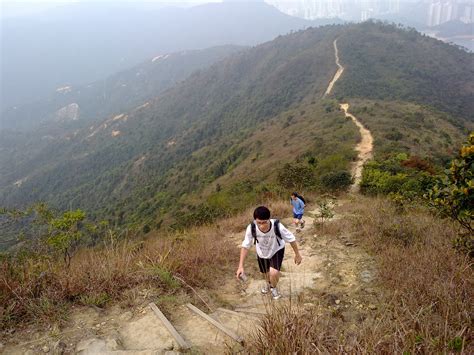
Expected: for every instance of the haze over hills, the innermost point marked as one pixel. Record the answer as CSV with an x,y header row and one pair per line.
x,y
419,69
232,127
82,105
83,42
425,16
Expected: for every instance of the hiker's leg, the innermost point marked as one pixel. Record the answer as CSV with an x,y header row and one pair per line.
x,y
302,222
264,266
266,276
295,219
274,276
275,266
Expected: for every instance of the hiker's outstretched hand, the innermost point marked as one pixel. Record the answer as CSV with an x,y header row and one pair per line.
x,y
239,272
298,259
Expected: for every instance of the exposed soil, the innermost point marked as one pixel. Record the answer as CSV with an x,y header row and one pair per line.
x,y
365,146
340,70
335,274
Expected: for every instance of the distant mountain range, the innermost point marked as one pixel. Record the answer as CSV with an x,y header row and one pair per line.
x,y
231,128
79,43
81,105
454,28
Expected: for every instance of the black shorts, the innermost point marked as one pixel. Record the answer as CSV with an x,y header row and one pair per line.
x,y
275,261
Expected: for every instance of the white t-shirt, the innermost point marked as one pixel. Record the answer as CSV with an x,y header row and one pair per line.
x,y
267,244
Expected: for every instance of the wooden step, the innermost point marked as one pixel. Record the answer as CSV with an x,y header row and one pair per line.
x,y
215,323
179,339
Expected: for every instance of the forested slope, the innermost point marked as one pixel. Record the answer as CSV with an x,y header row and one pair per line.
x,y
229,130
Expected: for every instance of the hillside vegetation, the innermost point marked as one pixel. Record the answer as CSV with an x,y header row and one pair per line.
x,y
411,251
390,63
405,127
387,274
111,96
83,42
225,102
189,149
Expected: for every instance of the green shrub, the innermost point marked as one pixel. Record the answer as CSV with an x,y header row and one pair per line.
x,y
165,277
398,174
332,163
339,180
453,195
296,176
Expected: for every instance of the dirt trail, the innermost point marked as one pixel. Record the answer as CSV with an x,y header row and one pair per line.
x,y
365,146
335,273
340,70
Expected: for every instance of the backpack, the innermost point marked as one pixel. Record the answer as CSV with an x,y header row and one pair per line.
x,y
276,224
301,198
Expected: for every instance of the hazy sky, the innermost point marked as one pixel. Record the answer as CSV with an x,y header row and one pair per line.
x,y
49,2
14,8
69,1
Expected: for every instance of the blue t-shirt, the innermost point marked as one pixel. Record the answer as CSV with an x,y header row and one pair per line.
x,y
298,206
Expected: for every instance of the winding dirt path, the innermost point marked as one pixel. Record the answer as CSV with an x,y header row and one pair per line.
x,y
339,71
339,275
365,146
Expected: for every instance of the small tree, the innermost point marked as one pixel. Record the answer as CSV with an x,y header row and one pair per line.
x,y
453,195
65,233
324,213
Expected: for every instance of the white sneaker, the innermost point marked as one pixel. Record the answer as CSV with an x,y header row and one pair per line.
x,y
265,289
275,294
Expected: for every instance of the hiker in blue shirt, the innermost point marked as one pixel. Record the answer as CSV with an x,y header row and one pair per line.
x,y
298,209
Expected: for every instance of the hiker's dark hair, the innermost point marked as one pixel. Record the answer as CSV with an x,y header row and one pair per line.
x,y
262,213
294,194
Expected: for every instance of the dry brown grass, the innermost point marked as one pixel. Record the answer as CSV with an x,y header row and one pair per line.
x,y
42,289
287,329
425,289
432,285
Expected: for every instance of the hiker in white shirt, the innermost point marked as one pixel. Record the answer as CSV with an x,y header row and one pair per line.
x,y
269,237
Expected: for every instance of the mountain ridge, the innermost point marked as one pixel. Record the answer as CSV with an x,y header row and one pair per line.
x,y
203,132
91,48
120,91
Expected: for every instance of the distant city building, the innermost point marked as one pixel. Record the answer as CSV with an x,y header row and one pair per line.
x,y
353,10
448,10
310,9
430,12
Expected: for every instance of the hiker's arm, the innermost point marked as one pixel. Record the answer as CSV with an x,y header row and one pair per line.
x,y
243,255
298,257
